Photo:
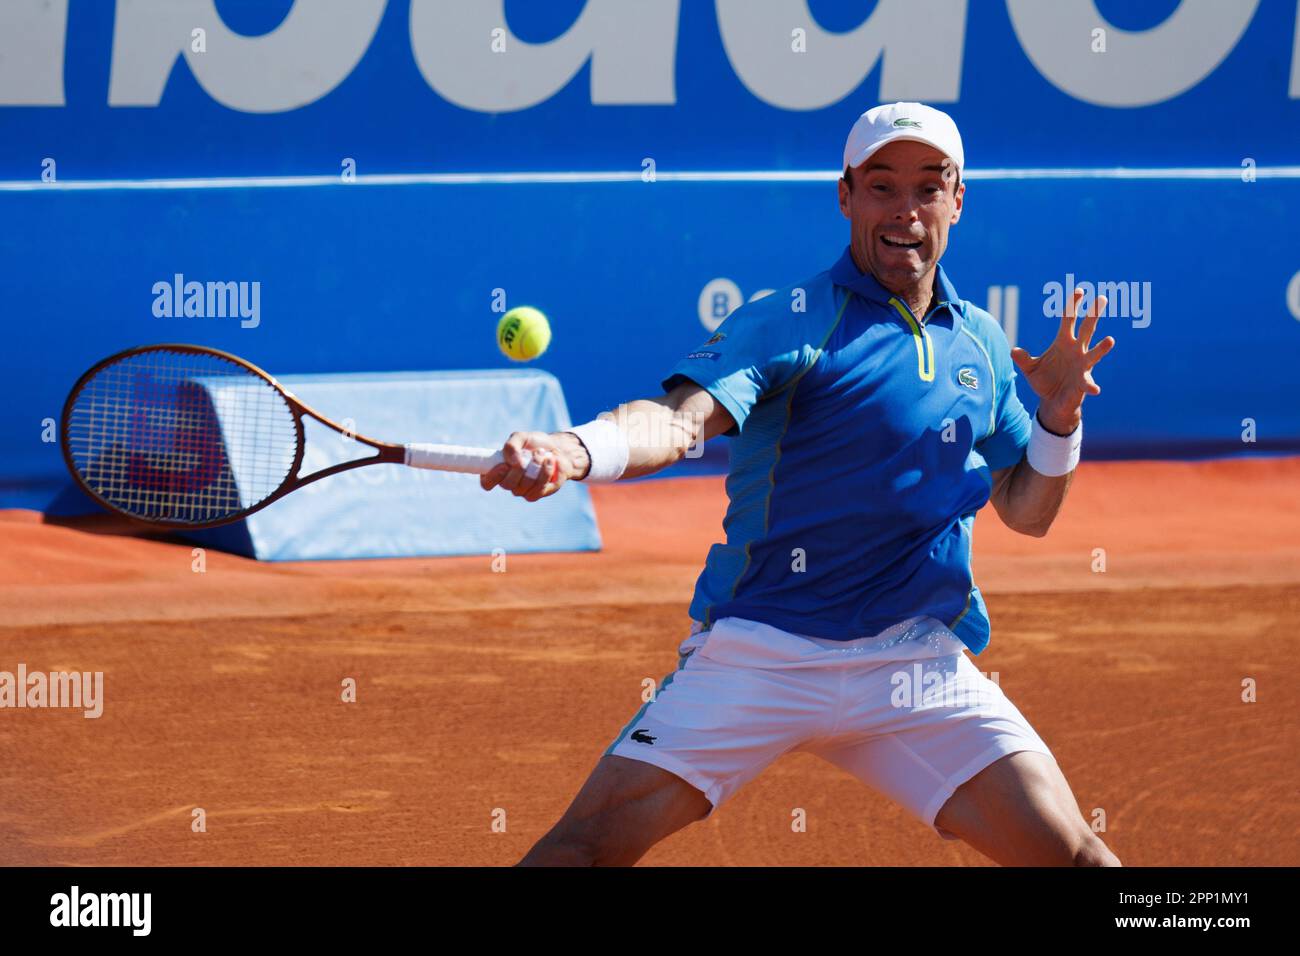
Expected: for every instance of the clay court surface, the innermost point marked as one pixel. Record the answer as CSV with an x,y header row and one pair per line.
x,y
482,691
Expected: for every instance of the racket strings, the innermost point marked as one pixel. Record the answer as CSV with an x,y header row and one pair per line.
x,y
191,438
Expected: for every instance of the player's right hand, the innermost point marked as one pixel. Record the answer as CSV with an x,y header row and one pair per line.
x,y
555,466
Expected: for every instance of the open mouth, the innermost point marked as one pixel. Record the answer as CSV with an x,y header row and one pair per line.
x,y
901,242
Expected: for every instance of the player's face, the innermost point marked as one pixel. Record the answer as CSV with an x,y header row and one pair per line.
x,y
900,208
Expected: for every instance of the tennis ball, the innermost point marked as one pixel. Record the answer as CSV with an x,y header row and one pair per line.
x,y
523,333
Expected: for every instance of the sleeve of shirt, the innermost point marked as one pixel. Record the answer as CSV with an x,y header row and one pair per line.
x,y
740,364
1006,446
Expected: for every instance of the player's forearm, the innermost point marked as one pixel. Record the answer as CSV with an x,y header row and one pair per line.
x,y
657,436
1033,500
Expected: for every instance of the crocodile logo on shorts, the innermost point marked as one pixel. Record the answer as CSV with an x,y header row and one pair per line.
x,y
641,737
967,377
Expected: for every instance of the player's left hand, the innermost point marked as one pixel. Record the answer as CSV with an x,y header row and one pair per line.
x,y
1062,375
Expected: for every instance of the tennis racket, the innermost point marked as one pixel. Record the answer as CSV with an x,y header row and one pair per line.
x,y
183,436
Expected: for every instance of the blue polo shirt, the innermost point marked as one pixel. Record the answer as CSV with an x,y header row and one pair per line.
x,y
863,447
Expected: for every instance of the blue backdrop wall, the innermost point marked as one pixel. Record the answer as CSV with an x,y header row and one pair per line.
x,y
118,89
343,158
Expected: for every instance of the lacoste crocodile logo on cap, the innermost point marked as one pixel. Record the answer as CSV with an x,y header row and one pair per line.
x,y
904,121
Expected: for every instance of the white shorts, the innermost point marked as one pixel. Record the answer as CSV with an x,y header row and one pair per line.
x,y
905,711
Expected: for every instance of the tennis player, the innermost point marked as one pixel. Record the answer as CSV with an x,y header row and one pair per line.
x,y
872,413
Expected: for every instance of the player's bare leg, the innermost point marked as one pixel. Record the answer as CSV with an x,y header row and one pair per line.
x,y
1019,811
625,807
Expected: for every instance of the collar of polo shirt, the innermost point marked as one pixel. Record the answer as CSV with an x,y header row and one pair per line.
x,y
845,273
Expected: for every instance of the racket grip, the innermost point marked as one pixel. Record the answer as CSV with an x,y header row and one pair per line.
x,y
464,459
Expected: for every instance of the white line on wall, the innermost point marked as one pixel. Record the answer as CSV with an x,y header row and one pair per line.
x,y
703,176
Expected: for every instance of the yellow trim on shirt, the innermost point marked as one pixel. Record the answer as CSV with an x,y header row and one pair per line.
x,y
776,459
924,347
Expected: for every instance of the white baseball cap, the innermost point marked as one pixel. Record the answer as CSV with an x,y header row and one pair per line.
x,y
882,125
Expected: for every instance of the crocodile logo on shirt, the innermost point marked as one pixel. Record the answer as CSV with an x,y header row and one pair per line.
x,y
968,378
641,737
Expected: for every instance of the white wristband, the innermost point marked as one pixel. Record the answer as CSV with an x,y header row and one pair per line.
x,y
1053,455
606,447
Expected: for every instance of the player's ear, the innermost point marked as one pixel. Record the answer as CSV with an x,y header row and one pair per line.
x,y
845,193
958,196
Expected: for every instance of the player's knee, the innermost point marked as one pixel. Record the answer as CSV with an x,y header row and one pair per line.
x,y
1091,851
578,843
563,846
